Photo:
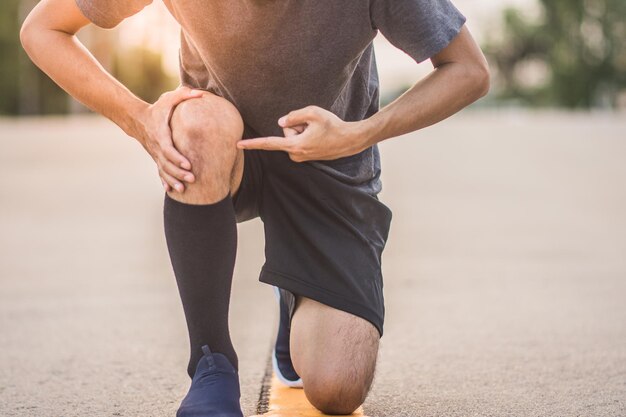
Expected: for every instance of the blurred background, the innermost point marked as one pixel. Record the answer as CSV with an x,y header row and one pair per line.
x,y
505,272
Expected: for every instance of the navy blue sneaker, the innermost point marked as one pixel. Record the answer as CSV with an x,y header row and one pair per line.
x,y
281,357
214,390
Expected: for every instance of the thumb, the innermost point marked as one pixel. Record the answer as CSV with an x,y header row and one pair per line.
x,y
297,117
293,130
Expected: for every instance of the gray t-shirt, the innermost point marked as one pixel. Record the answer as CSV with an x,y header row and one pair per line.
x,y
269,57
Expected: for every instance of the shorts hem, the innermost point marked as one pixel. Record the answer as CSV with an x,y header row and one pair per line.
x,y
305,289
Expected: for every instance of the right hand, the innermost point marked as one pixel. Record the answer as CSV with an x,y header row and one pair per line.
x,y
156,138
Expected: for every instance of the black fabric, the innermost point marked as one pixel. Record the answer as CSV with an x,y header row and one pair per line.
x,y
202,243
324,238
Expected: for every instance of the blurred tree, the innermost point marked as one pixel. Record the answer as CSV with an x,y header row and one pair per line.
x,y
141,70
24,89
574,55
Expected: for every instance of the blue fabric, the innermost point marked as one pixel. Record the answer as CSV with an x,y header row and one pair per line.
x,y
214,390
281,348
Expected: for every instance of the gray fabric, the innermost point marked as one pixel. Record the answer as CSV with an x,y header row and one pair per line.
x,y
271,57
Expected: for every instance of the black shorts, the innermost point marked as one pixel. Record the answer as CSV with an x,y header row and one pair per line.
x,y
323,238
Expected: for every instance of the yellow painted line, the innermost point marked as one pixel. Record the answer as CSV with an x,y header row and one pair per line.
x,y
291,402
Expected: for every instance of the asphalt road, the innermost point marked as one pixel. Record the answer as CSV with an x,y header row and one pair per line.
x,y
505,273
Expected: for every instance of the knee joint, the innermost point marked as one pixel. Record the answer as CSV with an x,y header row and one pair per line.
x,y
335,397
207,122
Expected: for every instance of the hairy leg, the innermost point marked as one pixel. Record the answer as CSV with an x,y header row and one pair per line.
x,y
334,353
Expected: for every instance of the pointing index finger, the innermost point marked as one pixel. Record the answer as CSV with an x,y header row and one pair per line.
x,y
270,143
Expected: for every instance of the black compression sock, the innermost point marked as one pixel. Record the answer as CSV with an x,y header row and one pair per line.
x,y
202,243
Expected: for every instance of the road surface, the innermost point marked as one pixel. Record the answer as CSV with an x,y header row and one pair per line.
x,y
505,273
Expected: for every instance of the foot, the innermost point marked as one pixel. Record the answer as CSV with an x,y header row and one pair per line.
x,y
214,390
281,356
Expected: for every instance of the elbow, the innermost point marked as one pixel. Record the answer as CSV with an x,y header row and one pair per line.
x,y
33,34
482,78
27,35
475,79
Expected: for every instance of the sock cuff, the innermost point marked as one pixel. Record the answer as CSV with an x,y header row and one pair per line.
x,y
182,210
173,201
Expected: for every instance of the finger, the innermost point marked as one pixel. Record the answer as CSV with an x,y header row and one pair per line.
x,y
288,131
176,172
293,130
298,117
270,143
172,155
297,157
171,181
166,187
181,94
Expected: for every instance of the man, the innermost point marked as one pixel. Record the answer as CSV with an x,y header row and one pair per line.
x,y
277,117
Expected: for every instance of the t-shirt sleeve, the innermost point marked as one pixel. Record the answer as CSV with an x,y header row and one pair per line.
x,y
421,28
109,13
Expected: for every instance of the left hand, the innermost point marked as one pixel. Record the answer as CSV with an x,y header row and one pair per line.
x,y
312,133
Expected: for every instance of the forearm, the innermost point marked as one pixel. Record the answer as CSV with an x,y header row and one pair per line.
x,y
445,91
64,59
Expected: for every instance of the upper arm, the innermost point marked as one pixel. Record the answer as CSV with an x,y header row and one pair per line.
x,y
70,16
61,15
109,13
429,29
462,49
421,28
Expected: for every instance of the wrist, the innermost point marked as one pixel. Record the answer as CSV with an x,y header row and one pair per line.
x,y
366,132
133,120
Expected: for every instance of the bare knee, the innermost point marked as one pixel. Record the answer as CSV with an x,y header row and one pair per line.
x,y
335,353
332,393
194,117
205,130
